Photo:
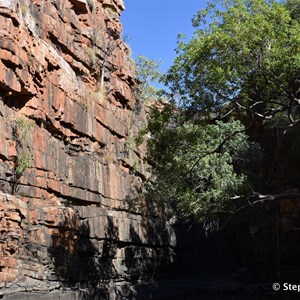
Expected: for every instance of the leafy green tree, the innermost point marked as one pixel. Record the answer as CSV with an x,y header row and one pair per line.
x,y
147,75
195,166
294,7
239,72
245,60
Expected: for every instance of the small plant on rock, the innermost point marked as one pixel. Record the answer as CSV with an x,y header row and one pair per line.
x,y
24,159
24,10
92,55
24,162
22,130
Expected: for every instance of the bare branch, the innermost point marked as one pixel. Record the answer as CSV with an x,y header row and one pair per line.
x,y
263,198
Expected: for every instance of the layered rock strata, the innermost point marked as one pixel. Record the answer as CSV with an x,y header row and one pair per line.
x,y
72,221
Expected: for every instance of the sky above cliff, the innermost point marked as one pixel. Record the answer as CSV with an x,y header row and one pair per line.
x,y
153,26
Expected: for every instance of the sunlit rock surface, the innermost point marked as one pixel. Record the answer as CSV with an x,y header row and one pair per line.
x,y
76,225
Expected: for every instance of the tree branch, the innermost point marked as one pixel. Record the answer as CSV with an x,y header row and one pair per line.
x,y
263,198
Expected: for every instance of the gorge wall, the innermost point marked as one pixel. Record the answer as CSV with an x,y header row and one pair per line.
x,y
71,219
73,224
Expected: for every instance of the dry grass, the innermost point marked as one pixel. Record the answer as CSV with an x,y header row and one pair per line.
x,y
100,96
92,55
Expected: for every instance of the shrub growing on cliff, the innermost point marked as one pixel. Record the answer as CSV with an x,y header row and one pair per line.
x,y
24,159
22,130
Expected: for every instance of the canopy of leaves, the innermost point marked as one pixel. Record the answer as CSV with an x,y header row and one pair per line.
x,y
294,7
147,74
242,67
196,165
246,59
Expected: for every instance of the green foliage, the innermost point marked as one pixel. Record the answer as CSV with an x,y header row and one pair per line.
x,y
130,143
243,57
294,7
23,129
235,78
24,161
134,169
147,69
147,73
195,165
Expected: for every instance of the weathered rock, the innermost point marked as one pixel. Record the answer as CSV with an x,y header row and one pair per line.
x,y
74,222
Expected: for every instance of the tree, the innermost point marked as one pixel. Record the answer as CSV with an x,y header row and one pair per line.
x,y
147,74
294,7
110,45
245,61
195,165
240,70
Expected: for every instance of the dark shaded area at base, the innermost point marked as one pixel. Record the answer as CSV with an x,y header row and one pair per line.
x,y
172,290
241,261
200,290
68,295
258,247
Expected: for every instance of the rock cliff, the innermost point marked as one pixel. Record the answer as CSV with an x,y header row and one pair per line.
x,y
72,222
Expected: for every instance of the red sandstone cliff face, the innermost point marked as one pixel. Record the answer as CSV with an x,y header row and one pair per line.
x,y
66,100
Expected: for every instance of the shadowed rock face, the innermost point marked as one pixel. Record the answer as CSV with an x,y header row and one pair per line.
x,y
75,225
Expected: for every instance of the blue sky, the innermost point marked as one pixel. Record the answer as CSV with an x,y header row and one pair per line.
x,y
153,26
